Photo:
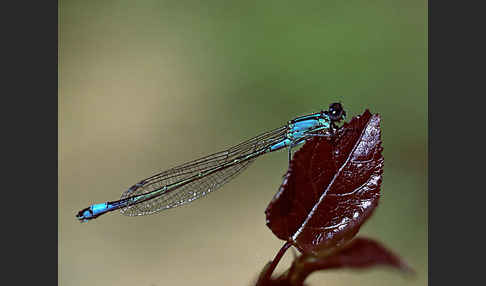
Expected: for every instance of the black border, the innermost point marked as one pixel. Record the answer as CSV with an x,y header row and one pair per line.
x,y
30,142
456,124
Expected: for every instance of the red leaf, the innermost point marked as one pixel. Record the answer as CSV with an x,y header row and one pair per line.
x,y
332,186
358,254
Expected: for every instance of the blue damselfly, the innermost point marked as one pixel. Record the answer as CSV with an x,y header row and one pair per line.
x,y
192,180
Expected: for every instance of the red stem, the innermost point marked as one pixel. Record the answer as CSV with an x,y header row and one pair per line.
x,y
266,277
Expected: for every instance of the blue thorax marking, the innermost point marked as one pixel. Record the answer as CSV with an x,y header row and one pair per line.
x,y
300,127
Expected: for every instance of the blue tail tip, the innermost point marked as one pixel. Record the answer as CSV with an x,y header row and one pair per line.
x,y
85,215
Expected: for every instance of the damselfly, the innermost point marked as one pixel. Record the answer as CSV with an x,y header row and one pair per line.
x,y
193,180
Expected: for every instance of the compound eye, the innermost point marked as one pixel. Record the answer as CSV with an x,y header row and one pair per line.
x,y
336,111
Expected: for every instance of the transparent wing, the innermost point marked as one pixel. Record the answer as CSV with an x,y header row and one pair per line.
x,y
200,187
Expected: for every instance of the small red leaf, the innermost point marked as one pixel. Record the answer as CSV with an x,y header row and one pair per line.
x,y
332,186
359,253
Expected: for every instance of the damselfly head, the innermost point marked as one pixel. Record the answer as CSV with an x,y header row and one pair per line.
x,y
336,112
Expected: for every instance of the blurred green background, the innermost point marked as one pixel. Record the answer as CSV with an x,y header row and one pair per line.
x,y
147,85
